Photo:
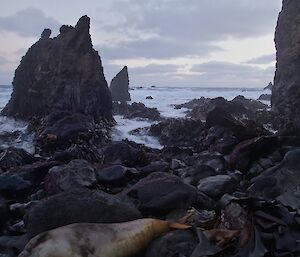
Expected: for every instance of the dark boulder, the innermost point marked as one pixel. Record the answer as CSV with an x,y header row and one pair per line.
x,y
286,89
14,186
217,186
14,157
79,206
75,174
136,110
61,73
112,175
34,173
124,154
280,182
174,243
250,150
119,86
3,214
160,193
178,132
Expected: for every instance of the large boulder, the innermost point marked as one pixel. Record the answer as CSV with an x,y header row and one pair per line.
x,y
75,174
61,73
119,86
160,193
286,89
78,206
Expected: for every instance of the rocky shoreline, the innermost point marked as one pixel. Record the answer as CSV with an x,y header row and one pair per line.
x,y
222,166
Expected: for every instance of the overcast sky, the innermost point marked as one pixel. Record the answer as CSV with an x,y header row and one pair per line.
x,y
206,43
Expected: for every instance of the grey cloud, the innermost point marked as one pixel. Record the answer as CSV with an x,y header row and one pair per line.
x,y
181,28
264,59
158,48
29,22
3,60
230,74
154,69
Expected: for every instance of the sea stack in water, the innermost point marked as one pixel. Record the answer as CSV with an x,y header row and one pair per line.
x,y
286,90
61,73
119,86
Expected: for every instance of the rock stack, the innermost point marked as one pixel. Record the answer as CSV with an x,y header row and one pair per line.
x,y
61,73
286,90
119,86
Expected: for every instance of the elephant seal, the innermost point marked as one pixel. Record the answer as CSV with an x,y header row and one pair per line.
x,y
98,240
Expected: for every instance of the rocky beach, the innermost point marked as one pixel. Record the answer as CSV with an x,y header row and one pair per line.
x,y
227,167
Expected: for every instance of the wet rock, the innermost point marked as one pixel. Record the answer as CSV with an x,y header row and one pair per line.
x,y
13,157
149,97
220,117
136,110
250,150
197,172
19,210
157,166
112,175
178,132
71,207
17,228
285,93
62,73
119,86
160,193
234,217
86,152
14,186
124,154
34,173
75,174
281,181
174,243
3,213
217,186
11,246
63,129
239,107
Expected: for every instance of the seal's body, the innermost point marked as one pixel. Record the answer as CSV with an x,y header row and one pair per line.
x,y
98,240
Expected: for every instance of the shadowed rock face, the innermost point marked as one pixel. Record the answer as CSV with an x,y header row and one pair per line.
x,y
286,90
119,86
61,73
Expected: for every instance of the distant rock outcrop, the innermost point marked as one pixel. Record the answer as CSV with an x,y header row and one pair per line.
x,y
269,86
119,86
286,90
61,73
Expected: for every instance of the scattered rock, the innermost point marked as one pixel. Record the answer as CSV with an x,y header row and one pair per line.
x,y
136,110
162,192
13,157
174,243
75,174
149,97
115,174
14,186
248,151
217,186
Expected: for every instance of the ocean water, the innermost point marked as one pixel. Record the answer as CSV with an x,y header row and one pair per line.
x,y
164,99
